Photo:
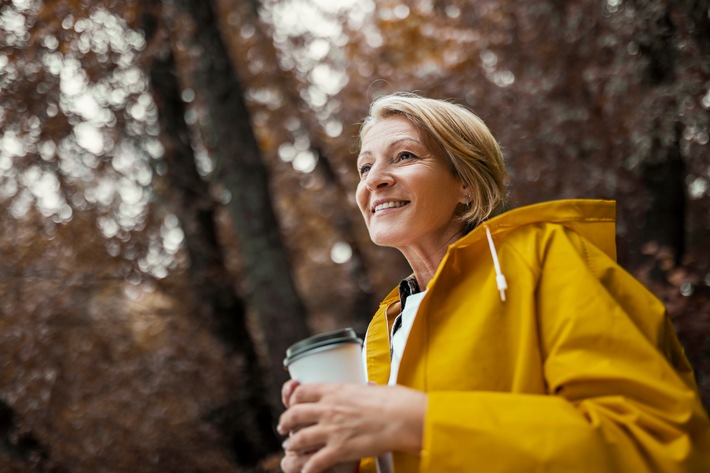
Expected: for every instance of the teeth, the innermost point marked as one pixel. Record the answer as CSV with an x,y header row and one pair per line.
x,y
389,205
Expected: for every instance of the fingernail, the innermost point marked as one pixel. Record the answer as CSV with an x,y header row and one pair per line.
x,y
284,445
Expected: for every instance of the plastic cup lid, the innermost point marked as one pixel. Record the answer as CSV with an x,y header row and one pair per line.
x,y
336,337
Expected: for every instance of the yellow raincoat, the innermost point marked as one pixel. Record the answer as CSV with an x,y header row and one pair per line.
x,y
578,370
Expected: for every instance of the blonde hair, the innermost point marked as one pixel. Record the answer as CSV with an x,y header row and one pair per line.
x,y
472,152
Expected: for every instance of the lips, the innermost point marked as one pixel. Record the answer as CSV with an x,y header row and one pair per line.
x,y
391,204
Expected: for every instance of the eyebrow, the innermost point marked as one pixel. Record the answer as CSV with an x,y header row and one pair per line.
x,y
389,146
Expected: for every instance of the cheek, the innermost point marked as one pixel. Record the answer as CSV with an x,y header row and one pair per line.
x,y
361,197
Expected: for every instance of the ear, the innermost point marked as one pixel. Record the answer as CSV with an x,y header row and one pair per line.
x,y
464,195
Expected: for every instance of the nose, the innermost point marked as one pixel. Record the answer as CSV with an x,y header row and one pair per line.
x,y
378,178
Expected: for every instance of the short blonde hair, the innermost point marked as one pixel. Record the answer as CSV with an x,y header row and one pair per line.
x,y
471,149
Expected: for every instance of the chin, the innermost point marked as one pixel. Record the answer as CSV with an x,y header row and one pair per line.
x,y
385,239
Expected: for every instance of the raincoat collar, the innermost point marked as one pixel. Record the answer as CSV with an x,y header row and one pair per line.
x,y
593,219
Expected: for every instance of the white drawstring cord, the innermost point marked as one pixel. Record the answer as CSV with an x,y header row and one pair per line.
x,y
500,278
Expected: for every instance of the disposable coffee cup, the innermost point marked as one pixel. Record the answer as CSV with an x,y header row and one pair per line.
x,y
331,357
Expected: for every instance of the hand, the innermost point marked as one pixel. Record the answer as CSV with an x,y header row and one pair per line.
x,y
293,462
336,423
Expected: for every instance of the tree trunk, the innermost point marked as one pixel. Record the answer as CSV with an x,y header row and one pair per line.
x,y
663,180
364,303
663,171
247,419
272,292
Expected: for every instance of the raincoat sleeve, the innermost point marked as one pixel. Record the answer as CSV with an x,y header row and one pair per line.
x,y
620,393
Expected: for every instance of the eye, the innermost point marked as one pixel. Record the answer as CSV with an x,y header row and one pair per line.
x,y
405,155
363,170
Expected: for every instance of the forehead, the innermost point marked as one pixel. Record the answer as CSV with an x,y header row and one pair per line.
x,y
389,130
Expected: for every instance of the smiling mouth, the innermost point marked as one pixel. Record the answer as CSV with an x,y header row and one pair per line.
x,y
389,205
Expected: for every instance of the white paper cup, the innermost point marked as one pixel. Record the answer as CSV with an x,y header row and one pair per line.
x,y
331,357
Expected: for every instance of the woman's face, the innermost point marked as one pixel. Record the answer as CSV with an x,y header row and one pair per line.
x,y
407,194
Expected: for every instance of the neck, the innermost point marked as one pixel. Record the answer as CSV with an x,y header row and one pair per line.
x,y
424,272
424,262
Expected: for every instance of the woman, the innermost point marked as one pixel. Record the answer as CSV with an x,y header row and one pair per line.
x,y
527,347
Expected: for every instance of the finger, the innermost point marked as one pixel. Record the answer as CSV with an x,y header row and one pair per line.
x,y
293,462
320,461
287,390
297,417
312,392
306,440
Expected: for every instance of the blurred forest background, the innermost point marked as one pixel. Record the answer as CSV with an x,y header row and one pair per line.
x,y
177,180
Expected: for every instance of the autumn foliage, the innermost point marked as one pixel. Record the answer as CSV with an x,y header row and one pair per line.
x,y
176,193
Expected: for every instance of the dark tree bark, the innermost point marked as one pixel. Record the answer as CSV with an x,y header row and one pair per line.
x,y
247,420
364,304
663,179
663,171
272,291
